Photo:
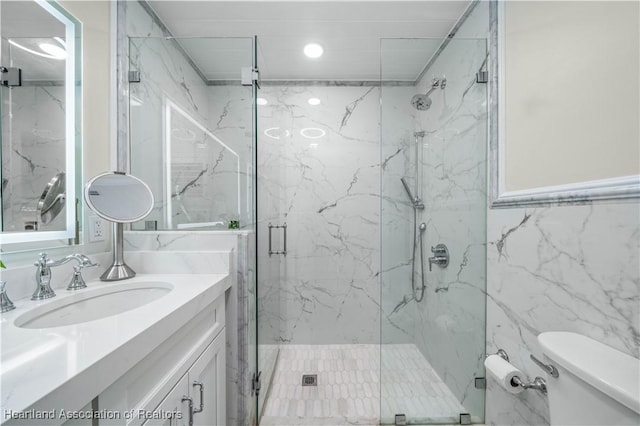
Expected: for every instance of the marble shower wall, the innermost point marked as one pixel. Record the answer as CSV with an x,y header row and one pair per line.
x,y
397,142
447,326
319,173
450,325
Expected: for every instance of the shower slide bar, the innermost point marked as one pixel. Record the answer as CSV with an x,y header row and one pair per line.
x,y
284,239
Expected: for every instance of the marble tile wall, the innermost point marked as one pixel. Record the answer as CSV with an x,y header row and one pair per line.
x,y
319,173
549,269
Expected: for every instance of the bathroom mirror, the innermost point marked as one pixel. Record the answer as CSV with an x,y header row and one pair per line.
x,y
41,85
119,197
565,104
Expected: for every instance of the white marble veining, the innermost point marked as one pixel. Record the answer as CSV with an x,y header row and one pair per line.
x,y
447,326
319,173
85,358
348,390
571,268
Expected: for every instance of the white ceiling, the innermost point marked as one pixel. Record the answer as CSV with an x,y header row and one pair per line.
x,y
349,31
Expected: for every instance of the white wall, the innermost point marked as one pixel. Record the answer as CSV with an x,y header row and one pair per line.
x,y
571,91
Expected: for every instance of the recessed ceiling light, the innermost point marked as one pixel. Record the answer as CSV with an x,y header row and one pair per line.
x,y
314,101
261,101
313,50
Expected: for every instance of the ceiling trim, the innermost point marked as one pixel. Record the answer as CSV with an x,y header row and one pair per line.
x,y
169,35
447,39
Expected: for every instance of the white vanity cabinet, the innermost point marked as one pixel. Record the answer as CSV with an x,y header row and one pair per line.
x,y
198,398
156,390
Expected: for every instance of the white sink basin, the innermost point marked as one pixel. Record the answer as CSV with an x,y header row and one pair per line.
x,y
93,304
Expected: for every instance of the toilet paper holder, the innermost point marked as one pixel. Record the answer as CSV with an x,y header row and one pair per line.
x,y
539,383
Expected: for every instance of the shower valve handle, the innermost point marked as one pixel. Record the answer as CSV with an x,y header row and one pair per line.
x,y
440,257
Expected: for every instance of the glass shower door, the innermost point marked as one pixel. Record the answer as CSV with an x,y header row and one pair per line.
x,y
433,151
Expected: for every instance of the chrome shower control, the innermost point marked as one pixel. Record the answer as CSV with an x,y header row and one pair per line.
x,y
440,256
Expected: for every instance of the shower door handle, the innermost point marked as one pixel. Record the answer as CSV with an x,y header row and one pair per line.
x,y
284,238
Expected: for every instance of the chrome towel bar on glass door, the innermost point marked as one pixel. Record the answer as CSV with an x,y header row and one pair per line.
x,y
284,239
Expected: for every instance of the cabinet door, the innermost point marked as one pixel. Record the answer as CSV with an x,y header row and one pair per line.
x,y
172,411
207,382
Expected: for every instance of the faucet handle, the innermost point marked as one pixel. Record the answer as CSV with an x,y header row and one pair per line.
x,y
6,304
42,260
77,281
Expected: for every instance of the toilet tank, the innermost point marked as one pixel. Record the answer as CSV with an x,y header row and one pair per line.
x,y
597,385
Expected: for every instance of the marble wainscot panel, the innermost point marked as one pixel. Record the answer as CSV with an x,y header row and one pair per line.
x,y
33,143
210,252
319,169
569,268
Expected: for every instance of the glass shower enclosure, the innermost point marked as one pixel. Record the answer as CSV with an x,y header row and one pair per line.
x,y
433,233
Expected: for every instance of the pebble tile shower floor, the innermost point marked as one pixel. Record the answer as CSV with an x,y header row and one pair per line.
x,y
348,389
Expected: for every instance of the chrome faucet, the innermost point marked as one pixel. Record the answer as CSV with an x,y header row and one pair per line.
x,y
43,274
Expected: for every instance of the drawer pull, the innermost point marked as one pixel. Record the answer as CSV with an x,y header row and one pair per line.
x,y
201,386
186,398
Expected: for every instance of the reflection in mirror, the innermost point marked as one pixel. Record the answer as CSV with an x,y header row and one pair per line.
x,y
40,60
193,147
202,176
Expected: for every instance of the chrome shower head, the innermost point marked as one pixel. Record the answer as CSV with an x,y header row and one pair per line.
x,y
423,102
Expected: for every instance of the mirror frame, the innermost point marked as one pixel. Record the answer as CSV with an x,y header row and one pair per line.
x,y
73,130
616,188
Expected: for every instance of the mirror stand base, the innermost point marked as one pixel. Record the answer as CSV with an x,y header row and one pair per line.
x,y
118,272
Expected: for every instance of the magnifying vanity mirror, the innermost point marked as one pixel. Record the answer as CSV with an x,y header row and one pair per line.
x,y
40,88
119,198
52,200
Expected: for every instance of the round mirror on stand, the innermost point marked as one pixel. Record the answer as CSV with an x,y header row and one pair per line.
x,y
119,198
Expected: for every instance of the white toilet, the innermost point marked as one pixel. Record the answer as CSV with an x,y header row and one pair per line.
x,y
597,385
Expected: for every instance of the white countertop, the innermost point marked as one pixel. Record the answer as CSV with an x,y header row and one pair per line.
x,y
80,361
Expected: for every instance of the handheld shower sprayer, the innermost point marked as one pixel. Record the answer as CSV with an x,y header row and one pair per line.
x,y
416,202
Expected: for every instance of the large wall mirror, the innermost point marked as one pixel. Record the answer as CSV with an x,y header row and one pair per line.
x,y
41,122
567,92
